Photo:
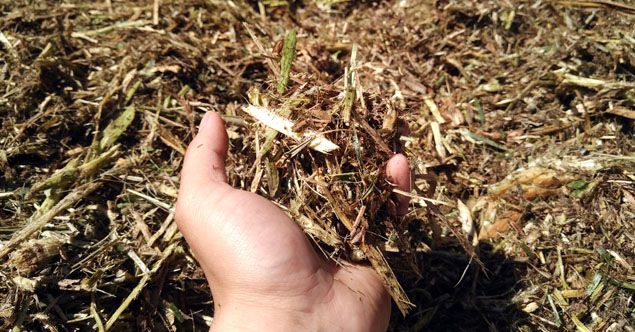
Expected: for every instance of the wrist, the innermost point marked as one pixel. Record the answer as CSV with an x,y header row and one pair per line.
x,y
239,308
238,317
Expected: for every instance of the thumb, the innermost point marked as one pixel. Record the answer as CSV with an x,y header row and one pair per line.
x,y
204,163
203,174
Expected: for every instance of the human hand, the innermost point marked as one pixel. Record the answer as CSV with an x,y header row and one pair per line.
x,y
262,270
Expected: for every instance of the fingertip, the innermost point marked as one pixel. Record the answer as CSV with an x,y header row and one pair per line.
x,y
212,129
204,160
398,173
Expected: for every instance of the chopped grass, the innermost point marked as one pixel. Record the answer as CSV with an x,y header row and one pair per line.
x,y
524,114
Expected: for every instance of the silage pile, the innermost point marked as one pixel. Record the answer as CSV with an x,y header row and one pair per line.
x,y
517,118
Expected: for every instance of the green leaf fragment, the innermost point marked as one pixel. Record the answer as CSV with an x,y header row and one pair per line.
x,y
130,93
509,19
597,278
492,86
554,310
177,312
605,254
440,81
347,107
482,139
117,127
480,114
580,327
350,96
273,180
578,184
288,53
628,285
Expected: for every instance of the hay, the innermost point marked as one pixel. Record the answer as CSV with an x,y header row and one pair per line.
x,y
517,118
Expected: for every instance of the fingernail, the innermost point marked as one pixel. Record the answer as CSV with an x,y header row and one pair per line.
x,y
205,122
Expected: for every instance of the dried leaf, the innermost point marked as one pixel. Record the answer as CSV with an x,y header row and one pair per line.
x,y
467,224
285,126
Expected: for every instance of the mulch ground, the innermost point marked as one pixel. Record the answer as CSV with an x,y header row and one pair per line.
x,y
517,118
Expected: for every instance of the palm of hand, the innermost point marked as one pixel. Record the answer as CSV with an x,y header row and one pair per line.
x,y
258,262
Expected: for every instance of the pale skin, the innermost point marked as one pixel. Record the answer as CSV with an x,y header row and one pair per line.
x,y
263,272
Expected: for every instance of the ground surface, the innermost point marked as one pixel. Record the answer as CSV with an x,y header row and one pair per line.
x,y
520,119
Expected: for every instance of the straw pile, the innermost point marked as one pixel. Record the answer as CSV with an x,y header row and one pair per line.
x,y
517,118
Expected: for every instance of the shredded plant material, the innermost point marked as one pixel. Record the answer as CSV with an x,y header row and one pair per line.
x,y
517,118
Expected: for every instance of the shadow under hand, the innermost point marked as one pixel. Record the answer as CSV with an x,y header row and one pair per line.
x,y
452,296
